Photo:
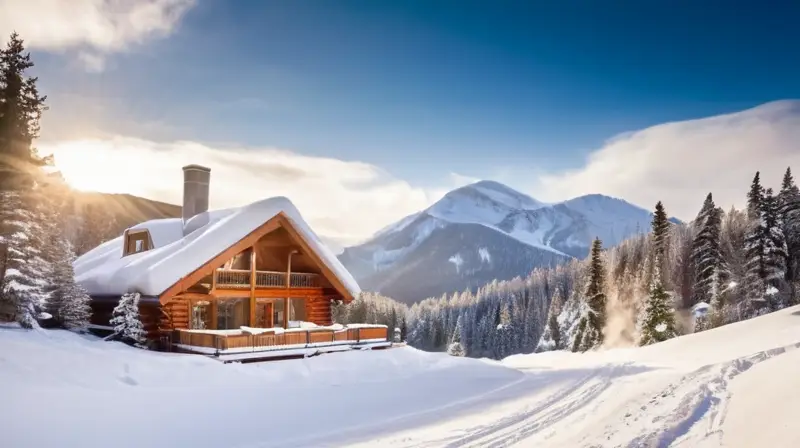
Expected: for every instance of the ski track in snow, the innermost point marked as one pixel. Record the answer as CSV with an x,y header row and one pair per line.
x,y
704,402
693,403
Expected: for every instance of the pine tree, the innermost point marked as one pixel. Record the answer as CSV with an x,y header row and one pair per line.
x,y
595,299
660,225
776,253
719,303
504,331
125,319
580,332
551,335
21,269
766,256
455,348
68,302
789,209
706,254
658,323
754,198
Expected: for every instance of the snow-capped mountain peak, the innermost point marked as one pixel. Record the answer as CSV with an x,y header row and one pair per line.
x,y
483,231
484,202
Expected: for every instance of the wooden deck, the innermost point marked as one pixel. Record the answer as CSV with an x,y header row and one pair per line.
x,y
237,342
241,279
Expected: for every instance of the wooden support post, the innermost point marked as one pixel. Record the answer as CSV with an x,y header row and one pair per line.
x,y
288,285
214,304
253,286
214,280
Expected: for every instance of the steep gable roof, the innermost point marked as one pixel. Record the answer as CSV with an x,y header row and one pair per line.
x,y
104,271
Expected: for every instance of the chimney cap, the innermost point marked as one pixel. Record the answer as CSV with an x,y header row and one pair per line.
x,y
196,167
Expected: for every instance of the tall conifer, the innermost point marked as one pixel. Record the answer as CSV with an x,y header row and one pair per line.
x,y
706,254
595,318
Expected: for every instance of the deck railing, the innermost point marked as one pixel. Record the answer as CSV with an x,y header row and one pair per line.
x,y
290,339
240,279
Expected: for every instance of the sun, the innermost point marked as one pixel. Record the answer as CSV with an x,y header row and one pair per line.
x,y
89,165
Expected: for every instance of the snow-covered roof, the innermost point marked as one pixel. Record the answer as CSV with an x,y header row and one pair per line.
x,y
104,271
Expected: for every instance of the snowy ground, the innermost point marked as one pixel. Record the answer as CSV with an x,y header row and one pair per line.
x,y
737,386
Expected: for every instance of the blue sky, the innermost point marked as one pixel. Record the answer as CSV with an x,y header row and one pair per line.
x,y
422,89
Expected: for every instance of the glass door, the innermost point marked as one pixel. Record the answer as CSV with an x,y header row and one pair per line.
x,y
264,315
201,315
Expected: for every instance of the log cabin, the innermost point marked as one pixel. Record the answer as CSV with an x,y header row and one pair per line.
x,y
235,280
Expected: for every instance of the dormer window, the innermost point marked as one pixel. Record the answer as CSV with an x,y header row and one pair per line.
x,y
137,241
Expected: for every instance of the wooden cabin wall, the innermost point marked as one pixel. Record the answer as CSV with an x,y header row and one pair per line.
x,y
176,315
318,310
149,314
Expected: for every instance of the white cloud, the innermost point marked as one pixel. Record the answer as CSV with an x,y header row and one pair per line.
x,y
679,163
92,62
94,28
344,201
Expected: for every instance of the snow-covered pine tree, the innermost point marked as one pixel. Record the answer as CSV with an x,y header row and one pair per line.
x,y
455,348
754,198
551,336
595,299
23,269
67,302
660,226
766,258
776,255
789,207
718,312
706,255
658,321
20,111
125,320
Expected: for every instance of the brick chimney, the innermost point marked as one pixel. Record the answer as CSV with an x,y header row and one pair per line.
x,y
196,181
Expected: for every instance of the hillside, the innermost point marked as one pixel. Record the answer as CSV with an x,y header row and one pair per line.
x,y
486,231
98,217
734,386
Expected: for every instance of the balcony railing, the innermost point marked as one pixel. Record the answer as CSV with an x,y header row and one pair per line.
x,y
241,341
240,279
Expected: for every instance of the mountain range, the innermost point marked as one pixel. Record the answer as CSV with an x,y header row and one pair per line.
x,y
485,231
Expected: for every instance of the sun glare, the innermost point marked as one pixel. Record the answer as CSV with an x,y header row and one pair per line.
x,y
96,166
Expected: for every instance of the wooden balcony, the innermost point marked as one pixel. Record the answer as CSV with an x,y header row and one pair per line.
x,y
269,343
241,279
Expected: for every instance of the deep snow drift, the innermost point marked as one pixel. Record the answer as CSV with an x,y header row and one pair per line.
x,y
735,386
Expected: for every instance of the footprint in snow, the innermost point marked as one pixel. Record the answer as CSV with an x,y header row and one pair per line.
x,y
126,378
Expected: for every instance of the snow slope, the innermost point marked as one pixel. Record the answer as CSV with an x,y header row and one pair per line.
x,y
735,386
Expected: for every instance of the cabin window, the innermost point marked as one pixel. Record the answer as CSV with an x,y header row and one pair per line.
x,y
137,241
277,315
274,308
201,315
297,309
232,313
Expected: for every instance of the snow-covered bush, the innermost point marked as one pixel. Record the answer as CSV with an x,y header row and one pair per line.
x,y
127,326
